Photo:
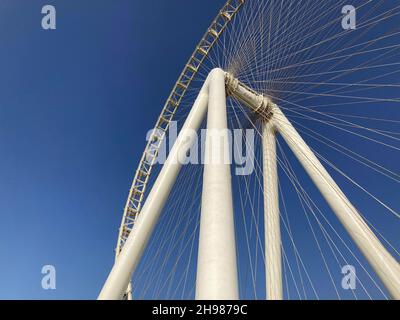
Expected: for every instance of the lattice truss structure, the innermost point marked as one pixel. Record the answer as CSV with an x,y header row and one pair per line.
x,y
143,172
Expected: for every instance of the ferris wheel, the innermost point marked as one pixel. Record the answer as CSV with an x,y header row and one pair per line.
x,y
310,211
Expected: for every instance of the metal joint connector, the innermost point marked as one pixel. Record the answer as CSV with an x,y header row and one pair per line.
x,y
258,104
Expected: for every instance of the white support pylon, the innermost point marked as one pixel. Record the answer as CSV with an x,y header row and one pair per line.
x,y
383,263
217,271
216,265
386,267
273,256
120,275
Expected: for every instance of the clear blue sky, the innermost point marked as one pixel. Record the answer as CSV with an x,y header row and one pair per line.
x,y
75,105
71,101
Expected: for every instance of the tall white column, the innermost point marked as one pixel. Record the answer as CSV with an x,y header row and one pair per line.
x,y
216,266
129,292
387,268
119,277
273,257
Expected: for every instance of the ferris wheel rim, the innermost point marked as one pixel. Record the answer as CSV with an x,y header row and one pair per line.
x,y
136,193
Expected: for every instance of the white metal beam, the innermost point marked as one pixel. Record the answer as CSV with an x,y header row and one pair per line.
x,y
119,277
386,267
273,257
216,265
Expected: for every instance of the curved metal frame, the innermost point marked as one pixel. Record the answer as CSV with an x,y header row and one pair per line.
x,y
140,180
